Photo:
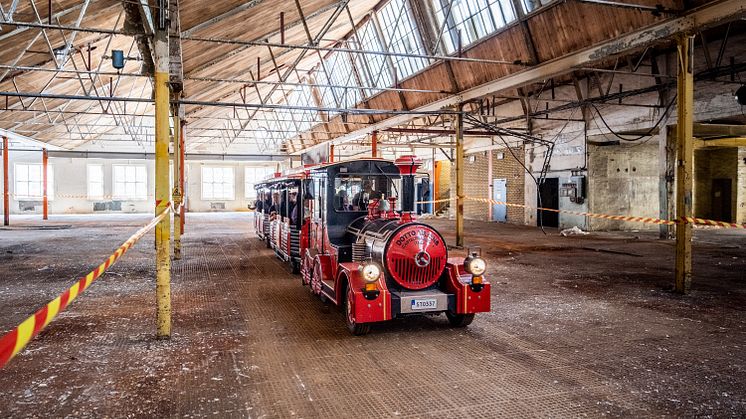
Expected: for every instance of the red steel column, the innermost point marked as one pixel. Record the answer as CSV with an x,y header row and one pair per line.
x,y
45,199
331,153
6,194
182,210
374,144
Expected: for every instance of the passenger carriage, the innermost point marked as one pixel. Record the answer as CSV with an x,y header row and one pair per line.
x,y
281,223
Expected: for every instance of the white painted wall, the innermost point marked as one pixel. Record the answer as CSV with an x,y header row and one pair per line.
x,y
70,195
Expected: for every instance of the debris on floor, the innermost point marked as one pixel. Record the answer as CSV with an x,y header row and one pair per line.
x,y
574,231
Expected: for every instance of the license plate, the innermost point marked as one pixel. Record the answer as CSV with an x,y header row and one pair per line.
x,y
425,304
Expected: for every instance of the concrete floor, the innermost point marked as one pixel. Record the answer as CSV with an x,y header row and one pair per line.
x,y
581,326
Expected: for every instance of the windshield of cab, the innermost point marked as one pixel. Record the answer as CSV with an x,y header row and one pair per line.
x,y
353,193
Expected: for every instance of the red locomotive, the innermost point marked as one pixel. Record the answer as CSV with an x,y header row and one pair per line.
x,y
361,248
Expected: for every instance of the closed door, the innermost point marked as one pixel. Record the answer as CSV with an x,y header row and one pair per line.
x,y
499,193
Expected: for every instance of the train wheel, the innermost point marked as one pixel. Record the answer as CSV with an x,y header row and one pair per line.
x,y
354,327
459,320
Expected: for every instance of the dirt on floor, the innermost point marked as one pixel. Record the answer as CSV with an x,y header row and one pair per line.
x,y
580,326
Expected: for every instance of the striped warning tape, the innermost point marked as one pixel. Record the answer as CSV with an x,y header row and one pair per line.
x,y
629,218
15,340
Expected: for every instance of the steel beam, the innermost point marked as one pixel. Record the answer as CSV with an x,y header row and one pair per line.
x,y
315,47
460,177
176,192
6,191
733,142
162,193
187,157
685,163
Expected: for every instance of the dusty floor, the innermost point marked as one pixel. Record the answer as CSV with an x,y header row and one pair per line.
x,y
581,326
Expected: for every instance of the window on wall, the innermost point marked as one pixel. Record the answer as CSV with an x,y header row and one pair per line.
x,y
218,183
400,35
326,94
95,179
475,19
301,96
29,182
130,182
341,74
374,69
252,175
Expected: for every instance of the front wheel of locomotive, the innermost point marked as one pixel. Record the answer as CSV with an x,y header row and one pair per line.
x,y
459,320
355,328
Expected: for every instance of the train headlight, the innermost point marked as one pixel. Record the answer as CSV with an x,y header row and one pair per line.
x,y
475,265
371,272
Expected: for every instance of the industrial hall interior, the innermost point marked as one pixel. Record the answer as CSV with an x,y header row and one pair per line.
x,y
373,208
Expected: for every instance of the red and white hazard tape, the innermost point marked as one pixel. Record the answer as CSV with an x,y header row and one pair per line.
x,y
15,340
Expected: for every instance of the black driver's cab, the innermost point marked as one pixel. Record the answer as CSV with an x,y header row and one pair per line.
x,y
344,192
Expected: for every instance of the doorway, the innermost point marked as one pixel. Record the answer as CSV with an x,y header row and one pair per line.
x,y
548,197
721,200
499,193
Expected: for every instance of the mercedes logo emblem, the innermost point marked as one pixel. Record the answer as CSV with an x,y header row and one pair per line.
x,y
422,259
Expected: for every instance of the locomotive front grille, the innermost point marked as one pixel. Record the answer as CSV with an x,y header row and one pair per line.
x,y
406,272
360,252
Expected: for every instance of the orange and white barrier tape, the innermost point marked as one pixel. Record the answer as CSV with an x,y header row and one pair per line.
x,y
15,340
629,218
437,201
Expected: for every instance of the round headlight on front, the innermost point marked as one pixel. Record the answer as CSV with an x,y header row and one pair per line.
x,y
371,272
475,265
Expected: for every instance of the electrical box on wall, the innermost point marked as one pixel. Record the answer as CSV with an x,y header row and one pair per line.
x,y
579,181
575,189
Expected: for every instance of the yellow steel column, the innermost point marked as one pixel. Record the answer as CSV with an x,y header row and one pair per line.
x,y
177,194
460,177
162,192
685,163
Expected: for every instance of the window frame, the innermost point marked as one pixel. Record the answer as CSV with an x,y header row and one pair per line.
x,y
218,198
485,11
28,196
124,197
247,184
90,196
389,42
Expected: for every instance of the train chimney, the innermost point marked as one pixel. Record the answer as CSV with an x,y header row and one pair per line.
x,y
407,167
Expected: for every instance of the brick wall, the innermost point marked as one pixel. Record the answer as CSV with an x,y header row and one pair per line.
x,y
444,184
510,169
477,182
